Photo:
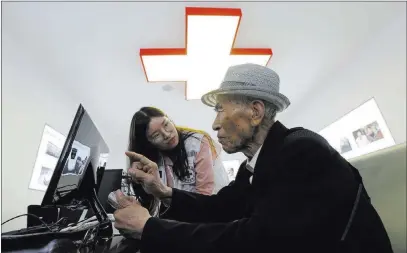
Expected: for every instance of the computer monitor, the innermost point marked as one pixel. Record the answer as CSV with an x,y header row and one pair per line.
x,y
73,183
110,181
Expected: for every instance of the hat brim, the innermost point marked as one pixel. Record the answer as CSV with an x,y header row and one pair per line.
x,y
277,99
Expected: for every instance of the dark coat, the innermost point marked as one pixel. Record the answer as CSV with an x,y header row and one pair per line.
x,y
300,200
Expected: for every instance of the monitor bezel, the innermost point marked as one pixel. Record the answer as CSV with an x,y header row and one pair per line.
x,y
48,199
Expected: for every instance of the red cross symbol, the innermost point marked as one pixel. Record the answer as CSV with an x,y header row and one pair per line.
x,y
210,36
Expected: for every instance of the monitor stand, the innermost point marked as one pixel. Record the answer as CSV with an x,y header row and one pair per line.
x,y
86,198
88,192
105,230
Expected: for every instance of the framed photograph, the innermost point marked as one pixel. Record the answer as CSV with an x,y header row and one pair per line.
x,y
345,145
231,168
368,134
47,157
359,132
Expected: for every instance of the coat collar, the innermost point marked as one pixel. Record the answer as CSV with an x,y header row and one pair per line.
x,y
270,149
273,141
271,146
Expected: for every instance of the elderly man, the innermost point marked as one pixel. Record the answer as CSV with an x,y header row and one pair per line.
x,y
294,193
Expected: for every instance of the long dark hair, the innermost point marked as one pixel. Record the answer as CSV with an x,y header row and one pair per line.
x,y
138,143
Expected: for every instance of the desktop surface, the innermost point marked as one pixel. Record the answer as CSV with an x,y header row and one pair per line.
x,y
117,244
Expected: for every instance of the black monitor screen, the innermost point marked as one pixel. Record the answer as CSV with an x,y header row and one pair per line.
x,y
84,149
111,181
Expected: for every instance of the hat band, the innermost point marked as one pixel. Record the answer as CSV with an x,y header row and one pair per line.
x,y
245,86
235,83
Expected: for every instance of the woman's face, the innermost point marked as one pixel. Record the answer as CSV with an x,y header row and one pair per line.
x,y
161,132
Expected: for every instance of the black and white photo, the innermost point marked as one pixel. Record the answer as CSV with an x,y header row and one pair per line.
x,y
47,157
45,176
53,150
345,145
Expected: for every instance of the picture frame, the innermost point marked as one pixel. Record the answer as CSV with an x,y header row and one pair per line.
x,y
359,132
47,157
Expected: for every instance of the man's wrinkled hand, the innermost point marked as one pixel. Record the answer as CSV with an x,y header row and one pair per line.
x,y
130,221
145,172
124,200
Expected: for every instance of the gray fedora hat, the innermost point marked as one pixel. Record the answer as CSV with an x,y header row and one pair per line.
x,y
250,80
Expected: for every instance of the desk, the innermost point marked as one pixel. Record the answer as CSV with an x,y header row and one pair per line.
x,y
117,244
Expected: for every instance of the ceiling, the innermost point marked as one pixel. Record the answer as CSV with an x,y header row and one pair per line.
x,y
91,48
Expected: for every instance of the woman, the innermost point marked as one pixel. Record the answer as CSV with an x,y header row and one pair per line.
x,y
187,159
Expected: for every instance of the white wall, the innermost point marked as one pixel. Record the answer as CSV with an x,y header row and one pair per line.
x,y
30,100
34,96
378,71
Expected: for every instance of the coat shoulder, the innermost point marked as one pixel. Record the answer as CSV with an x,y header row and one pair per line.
x,y
305,138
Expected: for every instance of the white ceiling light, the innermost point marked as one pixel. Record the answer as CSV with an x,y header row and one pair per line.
x,y
210,35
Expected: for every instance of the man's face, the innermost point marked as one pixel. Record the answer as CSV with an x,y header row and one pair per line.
x,y
234,124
